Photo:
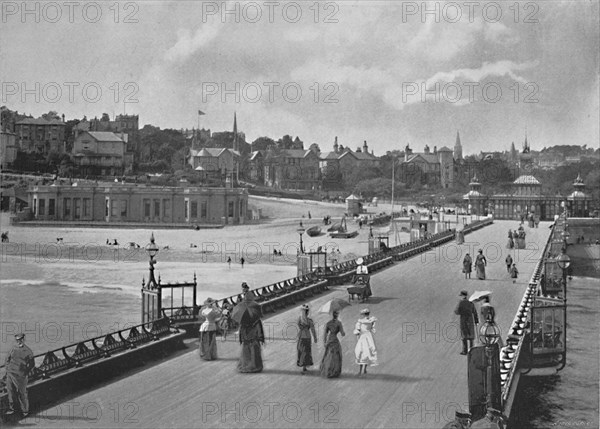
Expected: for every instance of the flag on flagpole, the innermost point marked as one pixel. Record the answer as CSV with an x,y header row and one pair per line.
x,y
200,113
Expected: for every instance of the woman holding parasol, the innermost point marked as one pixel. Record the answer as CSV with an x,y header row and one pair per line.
x,y
248,315
331,363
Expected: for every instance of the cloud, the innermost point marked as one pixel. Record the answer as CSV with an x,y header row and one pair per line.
x,y
497,32
498,68
187,44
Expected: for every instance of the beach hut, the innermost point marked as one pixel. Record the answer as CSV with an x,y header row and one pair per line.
x,y
354,205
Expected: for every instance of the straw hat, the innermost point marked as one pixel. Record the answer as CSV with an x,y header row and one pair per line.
x,y
365,311
209,301
360,261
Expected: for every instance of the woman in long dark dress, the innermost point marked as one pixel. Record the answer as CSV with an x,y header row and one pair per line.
x,y
331,364
306,327
252,336
467,262
480,263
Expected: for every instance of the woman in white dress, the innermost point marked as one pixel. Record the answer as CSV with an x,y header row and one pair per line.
x,y
365,352
208,330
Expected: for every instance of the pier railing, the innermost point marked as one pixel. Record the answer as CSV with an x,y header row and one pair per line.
x,y
58,361
520,326
291,291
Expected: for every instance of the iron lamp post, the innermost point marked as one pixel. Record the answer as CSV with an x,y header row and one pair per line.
x,y
489,334
152,250
300,231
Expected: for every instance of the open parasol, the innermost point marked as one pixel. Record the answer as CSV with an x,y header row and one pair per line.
x,y
335,304
246,312
479,294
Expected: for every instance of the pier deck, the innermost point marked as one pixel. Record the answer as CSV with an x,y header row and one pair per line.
x,y
420,382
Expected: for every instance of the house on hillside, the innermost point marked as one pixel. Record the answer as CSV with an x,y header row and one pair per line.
x,y
100,153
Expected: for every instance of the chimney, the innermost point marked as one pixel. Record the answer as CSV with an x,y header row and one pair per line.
x,y
435,150
365,147
63,117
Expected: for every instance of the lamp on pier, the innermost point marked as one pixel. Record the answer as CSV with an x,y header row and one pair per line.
x,y
152,250
300,231
489,335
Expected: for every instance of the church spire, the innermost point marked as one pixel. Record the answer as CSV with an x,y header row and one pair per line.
x,y
457,148
235,133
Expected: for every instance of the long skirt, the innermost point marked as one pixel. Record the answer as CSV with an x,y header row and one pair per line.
x,y
304,352
331,364
510,244
208,345
365,351
480,271
251,357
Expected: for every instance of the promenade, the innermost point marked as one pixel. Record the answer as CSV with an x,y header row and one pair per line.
x,y
420,382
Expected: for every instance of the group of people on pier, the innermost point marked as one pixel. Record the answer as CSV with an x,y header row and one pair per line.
x,y
248,316
365,351
480,264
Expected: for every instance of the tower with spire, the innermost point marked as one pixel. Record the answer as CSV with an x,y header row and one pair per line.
x,y
457,148
235,133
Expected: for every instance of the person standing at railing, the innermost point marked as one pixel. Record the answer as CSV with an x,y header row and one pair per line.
x,y
208,330
19,362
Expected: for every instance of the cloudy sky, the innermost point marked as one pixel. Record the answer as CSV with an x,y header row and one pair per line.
x,y
390,73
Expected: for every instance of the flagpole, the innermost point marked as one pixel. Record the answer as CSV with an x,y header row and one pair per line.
x,y
392,218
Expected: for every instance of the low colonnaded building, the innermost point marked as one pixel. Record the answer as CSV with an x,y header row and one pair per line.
x,y
138,203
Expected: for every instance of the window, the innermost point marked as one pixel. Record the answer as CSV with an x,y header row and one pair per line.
x,y
230,209
194,209
166,208
107,207
186,208
241,208
114,209
146,208
35,206
123,208
204,209
156,208
42,207
67,207
86,207
51,207
77,208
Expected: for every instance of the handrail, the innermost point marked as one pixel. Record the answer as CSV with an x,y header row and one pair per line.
x,y
531,290
59,360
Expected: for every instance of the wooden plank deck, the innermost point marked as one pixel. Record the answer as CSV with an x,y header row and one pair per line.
x,y
420,382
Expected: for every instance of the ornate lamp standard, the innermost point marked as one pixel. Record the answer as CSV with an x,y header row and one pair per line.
x,y
489,334
300,231
152,250
564,262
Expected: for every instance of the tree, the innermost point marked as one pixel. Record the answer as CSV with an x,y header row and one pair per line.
x,y
262,143
51,115
105,117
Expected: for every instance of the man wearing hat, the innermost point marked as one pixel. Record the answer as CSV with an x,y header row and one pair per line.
x,y
468,319
246,294
18,364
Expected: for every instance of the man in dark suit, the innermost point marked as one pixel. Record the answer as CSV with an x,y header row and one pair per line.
x,y
468,320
